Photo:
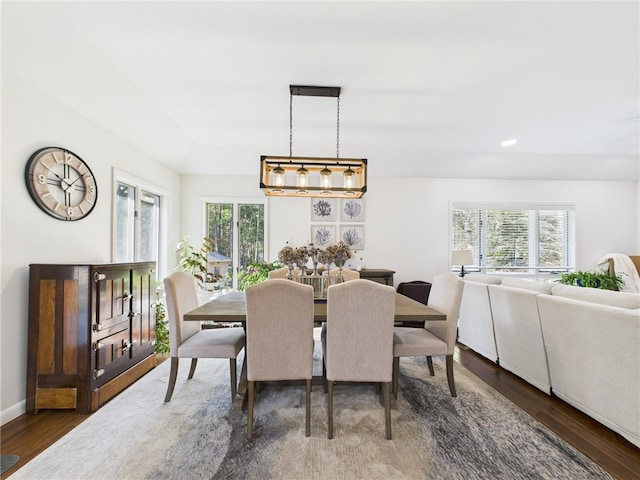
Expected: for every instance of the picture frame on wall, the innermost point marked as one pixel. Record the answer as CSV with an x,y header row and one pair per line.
x,y
352,235
324,209
322,235
352,210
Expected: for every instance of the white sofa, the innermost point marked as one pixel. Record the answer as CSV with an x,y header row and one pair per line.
x,y
581,344
475,323
517,329
592,340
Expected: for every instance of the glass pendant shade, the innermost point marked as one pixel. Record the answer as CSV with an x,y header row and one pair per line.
x,y
278,176
325,178
302,177
349,178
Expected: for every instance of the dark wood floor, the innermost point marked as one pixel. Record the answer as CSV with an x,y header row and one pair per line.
x,y
28,435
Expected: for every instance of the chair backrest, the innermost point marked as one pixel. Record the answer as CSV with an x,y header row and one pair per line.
x,y
417,290
445,296
359,342
347,273
181,298
282,273
279,330
277,273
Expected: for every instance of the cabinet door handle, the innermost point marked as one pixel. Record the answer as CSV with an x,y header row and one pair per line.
x,y
97,346
97,327
127,297
97,373
127,346
97,276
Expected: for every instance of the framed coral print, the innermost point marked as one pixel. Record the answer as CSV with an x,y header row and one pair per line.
x,y
352,235
323,209
352,210
323,235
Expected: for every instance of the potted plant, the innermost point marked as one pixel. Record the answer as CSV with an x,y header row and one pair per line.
x,y
194,262
602,280
162,326
256,272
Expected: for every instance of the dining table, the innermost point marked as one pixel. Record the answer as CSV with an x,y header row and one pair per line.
x,y
232,308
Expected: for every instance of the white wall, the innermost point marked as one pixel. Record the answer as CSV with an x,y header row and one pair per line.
x,y
31,120
407,219
406,226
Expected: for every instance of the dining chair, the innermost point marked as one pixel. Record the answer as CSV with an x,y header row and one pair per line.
x,y
436,337
417,290
279,338
358,346
347,273
281,273
188,340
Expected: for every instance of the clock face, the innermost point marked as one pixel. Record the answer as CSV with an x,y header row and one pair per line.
x,y
61,184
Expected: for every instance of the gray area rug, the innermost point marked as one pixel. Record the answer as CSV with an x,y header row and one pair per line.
x,y
478,435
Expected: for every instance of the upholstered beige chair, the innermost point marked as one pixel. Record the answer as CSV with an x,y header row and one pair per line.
x,y
359,339
279,337
437,337
277,273
282,273
347,273
187,340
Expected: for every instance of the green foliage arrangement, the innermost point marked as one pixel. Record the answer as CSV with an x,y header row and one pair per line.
x,y
602,280
194,262
162,329
256,272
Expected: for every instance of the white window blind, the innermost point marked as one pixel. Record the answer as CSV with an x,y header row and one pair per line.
x,y
526,239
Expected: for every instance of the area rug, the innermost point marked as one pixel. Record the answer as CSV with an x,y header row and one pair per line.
x,y
478,435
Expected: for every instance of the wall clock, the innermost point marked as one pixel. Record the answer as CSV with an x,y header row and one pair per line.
x,y
61,183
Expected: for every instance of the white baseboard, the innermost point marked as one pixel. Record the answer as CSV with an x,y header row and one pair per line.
x,y
13,412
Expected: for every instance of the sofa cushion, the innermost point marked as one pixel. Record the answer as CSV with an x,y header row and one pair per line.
x,y
483,278
542,287
596,295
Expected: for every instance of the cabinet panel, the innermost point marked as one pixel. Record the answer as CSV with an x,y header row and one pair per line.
x,y
83,320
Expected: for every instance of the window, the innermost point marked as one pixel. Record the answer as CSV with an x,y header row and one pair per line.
x,y
530,240
137,221
237,229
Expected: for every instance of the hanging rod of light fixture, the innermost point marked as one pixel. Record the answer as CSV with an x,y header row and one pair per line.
x,y
313,176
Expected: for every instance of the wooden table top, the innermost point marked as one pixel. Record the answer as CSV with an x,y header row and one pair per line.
x,y
232,307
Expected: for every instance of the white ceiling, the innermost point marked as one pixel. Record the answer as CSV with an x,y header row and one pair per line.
x,y
428,88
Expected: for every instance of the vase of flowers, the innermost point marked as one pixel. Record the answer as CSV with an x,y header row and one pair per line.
x,y
338,254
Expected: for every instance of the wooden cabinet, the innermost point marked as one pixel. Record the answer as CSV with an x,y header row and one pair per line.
x,y
91,332
378,275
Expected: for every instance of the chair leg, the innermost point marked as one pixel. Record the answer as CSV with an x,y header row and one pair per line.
x,y
308,410
172,378
452,385
192,370
430,365
330,407
396,374
233,375
250,388
324,377
387,409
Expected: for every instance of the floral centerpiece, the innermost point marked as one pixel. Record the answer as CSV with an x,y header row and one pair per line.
x,y
291,256
338,254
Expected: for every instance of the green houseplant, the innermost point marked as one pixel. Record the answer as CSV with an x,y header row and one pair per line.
x,y
602,280
193,261
162,322
256,272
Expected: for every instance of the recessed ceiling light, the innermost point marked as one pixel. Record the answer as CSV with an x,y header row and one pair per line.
x,y
508,143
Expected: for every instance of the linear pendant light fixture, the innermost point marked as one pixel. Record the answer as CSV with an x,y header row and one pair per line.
x,y
313,176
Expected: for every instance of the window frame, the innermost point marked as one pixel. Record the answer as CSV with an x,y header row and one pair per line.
x,y
533,269
236,202
141,185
